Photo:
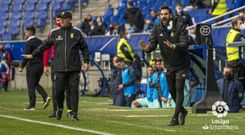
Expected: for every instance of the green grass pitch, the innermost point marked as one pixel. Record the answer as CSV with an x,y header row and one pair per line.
x,y
98,116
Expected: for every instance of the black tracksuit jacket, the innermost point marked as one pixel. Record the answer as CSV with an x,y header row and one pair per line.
x,y
67,43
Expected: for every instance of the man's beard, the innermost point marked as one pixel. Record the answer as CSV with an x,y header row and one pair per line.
x,y
164,21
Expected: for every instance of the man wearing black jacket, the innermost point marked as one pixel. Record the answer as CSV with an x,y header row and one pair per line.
x,y
34,70
172,37
67,41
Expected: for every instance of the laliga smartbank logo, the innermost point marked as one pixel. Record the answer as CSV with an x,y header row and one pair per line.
x,y
220,110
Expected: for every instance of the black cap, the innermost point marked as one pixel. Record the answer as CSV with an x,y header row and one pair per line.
x,y
65,15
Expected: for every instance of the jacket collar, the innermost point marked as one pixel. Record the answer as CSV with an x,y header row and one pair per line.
x,y
30,38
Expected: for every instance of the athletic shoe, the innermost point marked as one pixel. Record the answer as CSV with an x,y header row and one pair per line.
x,y
74,118
182,117
173,122
59,113
29,108
52,115
46,102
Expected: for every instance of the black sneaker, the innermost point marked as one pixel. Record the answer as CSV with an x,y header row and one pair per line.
x,y
182,117
74,118
52,115
59,113
29,108
173,122
46,102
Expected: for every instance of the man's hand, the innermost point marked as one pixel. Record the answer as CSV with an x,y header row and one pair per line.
x,y
164,99
85,67
27,56
143,45
46,71
20,69
170,45
120,87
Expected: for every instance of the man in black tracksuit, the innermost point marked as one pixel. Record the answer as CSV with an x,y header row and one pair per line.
x,y
172,37
34,70
67,42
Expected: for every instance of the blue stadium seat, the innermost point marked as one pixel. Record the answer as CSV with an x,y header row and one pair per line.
x,y
186,2
122,21
151,3
32,1
115,19
16,15
56,8
29,7
14,23
107,20
17,8
67,6
14,31
19,2
30,15
28,22
42,15
146,10
41,23
160,2
6,2
3,23
109,11
168,3
142,4
4,16
46,1
177,1
123,3
121,11
6,37
41,6
2,29
4,8
229,4
59,1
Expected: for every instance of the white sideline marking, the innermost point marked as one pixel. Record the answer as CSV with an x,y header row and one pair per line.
x,y
55,125
145,116
141,126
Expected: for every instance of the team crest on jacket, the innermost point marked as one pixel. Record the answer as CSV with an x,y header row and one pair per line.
x,y
59,38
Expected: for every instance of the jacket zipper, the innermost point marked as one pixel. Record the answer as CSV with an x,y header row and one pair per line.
x,y
65,50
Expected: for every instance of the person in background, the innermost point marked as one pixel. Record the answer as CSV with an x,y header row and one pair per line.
x,y
5,61
151,99
34,70
231,90
218,7
124,49
134,19
86,24
233,54
115,81
128,85
162,86
151,21
183,15
113,30
48,57
172,37
67,66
